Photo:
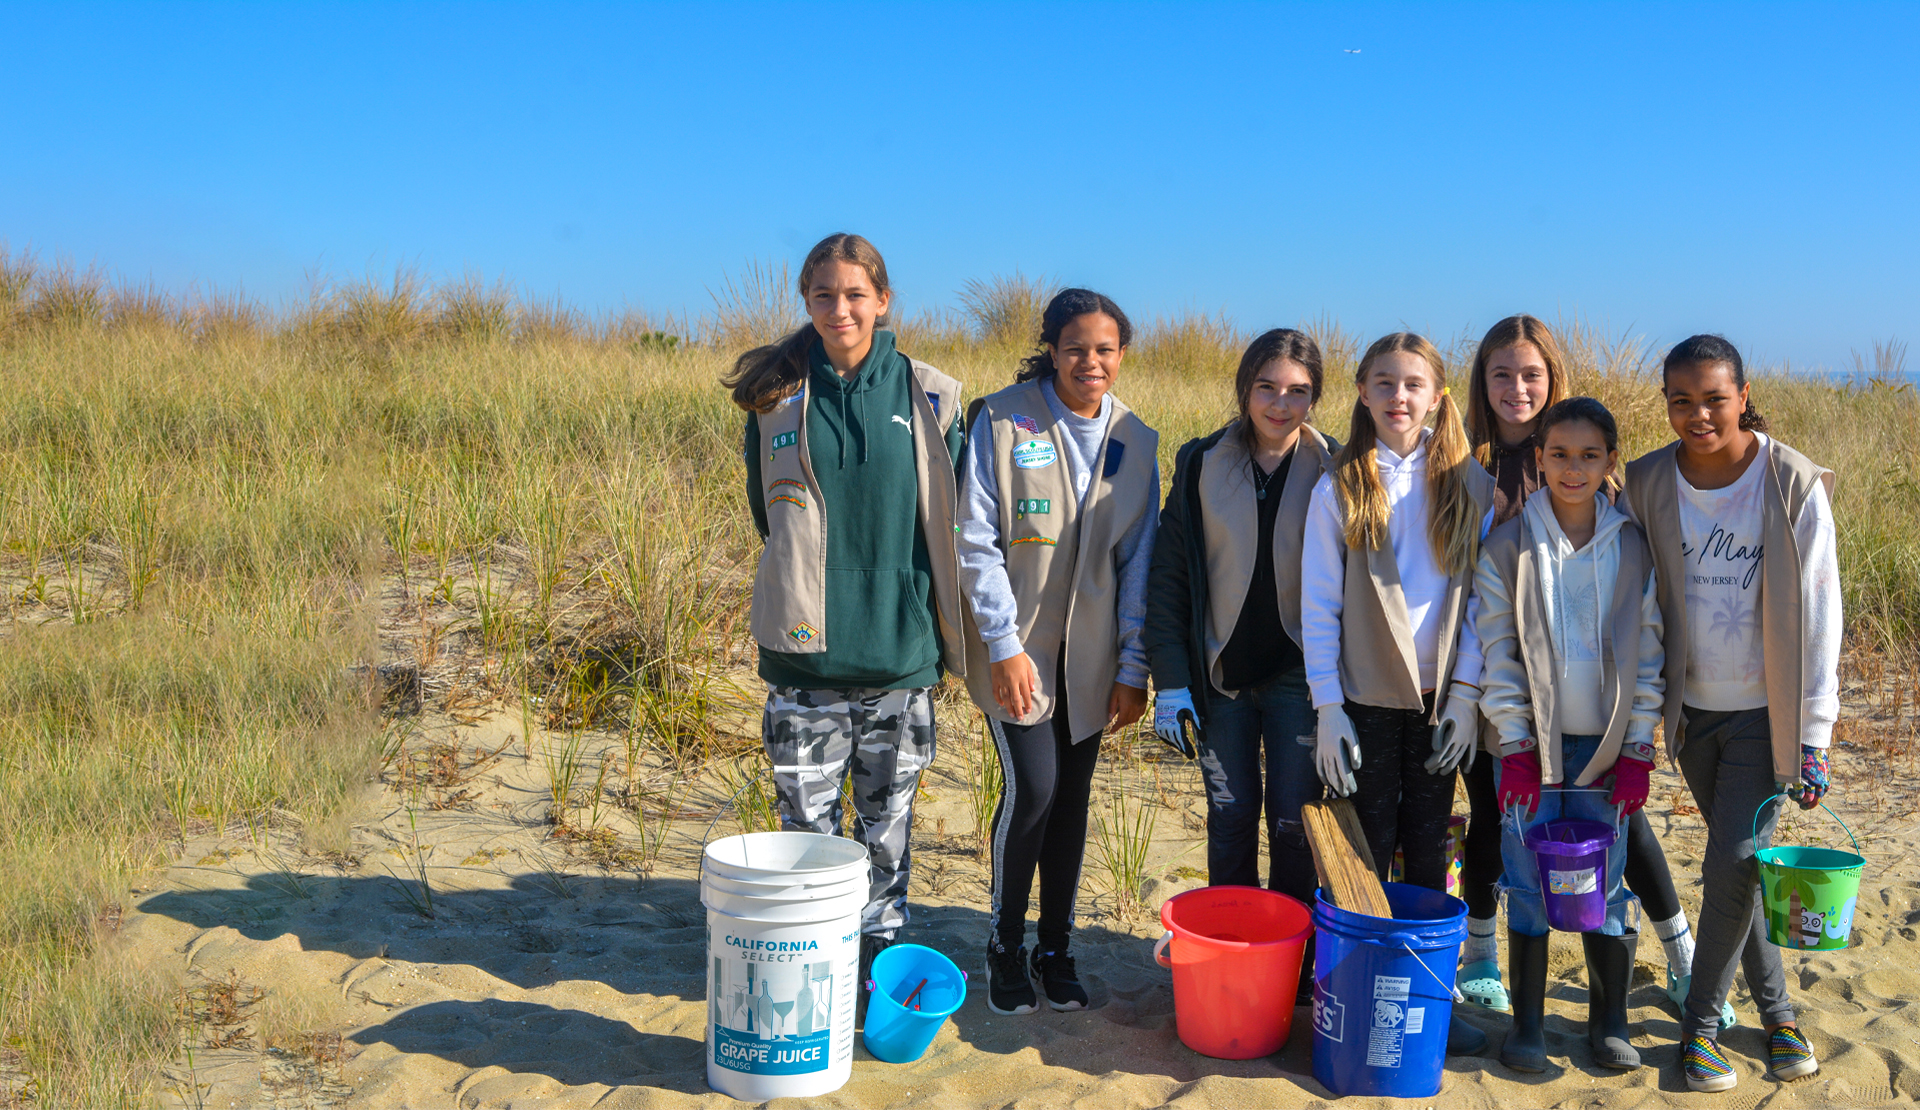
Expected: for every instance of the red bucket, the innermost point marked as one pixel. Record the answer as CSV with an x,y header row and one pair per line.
x,y
1235,953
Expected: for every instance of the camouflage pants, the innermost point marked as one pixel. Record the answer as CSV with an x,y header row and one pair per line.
x,y
883,739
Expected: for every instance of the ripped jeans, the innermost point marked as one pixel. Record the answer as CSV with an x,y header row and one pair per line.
x,y
1276,717
1526,906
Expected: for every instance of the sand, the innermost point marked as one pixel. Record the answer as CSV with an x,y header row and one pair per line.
x,y
543,978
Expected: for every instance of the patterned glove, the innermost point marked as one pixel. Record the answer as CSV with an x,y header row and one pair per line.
x,y
1816,773
1174,721
1520,782
1630,785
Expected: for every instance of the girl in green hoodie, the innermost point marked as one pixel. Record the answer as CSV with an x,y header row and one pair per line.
x,y
854,620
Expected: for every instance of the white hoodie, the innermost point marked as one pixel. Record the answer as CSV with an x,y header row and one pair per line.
x,y
1578,586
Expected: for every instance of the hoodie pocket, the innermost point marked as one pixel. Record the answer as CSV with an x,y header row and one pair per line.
x,y
878,621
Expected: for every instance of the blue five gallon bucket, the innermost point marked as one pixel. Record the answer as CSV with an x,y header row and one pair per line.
x,y
1383,993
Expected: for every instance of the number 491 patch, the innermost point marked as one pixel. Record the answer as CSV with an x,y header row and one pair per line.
x,y
1026,505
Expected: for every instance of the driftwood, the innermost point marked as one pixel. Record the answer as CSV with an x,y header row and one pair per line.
x,y
1341,857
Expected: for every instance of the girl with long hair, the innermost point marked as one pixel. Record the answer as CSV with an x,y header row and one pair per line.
x,y
1055,540
1749,587
1519,373
855,621
1223,615
1394,673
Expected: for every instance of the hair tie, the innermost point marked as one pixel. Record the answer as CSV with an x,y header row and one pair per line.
x,y
1443,391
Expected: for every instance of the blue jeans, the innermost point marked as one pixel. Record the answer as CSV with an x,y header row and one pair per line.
x,y
1276,717
1526,909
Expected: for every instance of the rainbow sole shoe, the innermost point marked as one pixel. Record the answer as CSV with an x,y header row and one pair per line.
x,y
1789,1056
1707,1070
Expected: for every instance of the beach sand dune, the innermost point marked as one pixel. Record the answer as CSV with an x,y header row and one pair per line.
x,y
542,978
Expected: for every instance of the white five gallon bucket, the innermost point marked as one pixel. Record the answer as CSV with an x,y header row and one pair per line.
x,y
783,953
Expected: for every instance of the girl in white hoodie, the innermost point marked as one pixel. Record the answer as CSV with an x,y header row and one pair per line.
x,y
1569,626
1386,567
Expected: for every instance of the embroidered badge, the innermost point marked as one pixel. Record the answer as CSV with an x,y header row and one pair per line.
x,y
794,482
1115,452
1033,539
1026,424
789,500
1032,505
803,632
934,400
784,439
1034,454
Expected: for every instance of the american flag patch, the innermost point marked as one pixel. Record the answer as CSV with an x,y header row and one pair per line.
x,y
1026,424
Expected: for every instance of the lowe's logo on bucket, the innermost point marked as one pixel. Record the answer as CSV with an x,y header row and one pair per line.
x,y
1329,1016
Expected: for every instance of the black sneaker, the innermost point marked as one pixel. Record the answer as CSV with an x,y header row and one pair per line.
x,y
1053,974
870,946
1008,991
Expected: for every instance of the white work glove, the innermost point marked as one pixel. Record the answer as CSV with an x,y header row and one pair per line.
x,y
1175,721
1336,752
1457,736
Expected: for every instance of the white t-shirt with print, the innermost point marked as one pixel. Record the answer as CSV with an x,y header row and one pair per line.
x,y
1720,556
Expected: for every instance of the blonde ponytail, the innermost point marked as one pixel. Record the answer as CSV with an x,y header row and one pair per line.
x,y
1453,520
1453,526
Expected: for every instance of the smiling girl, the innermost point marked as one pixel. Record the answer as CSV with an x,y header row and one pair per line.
x,y
854,620
1518,374
1744,547
1056,535
1570,628
1394,672
1223,615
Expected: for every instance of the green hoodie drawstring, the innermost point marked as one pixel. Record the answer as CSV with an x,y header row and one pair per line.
x,y
845,429
866,437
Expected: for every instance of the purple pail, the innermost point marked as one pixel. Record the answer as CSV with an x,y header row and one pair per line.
x,y
1573,871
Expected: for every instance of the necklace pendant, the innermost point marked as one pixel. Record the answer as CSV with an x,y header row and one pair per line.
x,y
1263,494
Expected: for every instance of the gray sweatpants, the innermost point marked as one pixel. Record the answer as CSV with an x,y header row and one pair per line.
x,y
882,739
1727,759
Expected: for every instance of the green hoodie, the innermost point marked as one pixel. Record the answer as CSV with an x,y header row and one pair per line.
x,y
880,619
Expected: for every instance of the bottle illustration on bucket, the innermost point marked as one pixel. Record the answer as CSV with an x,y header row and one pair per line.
x,y
772,1019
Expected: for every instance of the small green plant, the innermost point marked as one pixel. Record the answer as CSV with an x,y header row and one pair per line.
x,y
564,755
1123,834
421,899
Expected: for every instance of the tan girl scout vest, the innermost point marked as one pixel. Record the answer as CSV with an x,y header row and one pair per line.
x,y
790,586
1060,557
1376,633
1654,503
1511,549
1230,527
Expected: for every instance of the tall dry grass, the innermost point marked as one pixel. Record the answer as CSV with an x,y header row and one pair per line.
x,y
217,520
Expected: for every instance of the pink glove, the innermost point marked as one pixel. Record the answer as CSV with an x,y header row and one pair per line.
x,y
1520,782
1630,785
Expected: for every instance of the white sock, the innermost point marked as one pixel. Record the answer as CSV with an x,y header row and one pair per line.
x,y
1481,944
1675,937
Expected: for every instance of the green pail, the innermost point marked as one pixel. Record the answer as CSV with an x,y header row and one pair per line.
x,y
1809,893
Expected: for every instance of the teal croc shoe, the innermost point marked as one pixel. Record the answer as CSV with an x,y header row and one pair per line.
x,y
1480,983
1677,987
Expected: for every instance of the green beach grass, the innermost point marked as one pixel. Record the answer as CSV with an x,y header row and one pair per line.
x,y
211,513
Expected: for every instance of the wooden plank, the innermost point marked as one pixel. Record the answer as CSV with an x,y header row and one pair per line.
x,y
1341,856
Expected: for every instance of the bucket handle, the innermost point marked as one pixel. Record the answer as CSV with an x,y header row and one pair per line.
x,y
1405,940
1160,949
1823,805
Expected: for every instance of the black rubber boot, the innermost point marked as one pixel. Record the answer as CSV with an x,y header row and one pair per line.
x,y
1526,1045
1609,975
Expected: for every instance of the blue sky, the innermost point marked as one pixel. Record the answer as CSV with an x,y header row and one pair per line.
x,y
1749,169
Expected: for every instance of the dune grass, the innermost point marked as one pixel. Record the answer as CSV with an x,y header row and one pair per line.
x,y
217,521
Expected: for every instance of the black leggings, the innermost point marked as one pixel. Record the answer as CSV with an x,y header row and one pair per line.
x,y
1399,803
1647,874
1040,823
